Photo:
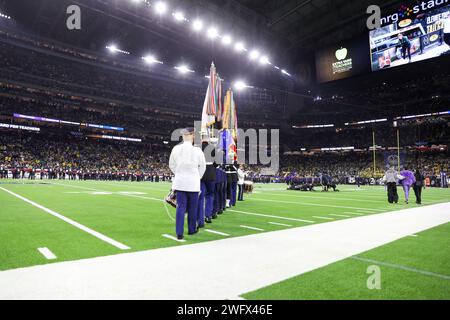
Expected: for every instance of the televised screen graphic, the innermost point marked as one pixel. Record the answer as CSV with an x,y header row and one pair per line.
x,y
410,39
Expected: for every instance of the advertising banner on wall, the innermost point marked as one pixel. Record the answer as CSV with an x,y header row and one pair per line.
x,y
343,60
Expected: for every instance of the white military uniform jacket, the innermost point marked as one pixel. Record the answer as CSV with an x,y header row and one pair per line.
x,y
241,176
188,165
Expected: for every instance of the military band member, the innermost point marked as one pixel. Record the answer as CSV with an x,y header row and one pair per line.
x,y
188,165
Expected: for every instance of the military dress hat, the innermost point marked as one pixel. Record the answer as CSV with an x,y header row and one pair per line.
x,y
187,131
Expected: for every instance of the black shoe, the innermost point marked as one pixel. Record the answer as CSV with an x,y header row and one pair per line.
x,y
220,212
214,216
180,237
200,227
208,220
192,233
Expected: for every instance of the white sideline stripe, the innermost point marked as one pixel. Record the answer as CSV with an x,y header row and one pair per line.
x,y
47,253
280,224
271,216
413,235
251,228
217,232
323,218
398,266
339,215
168,236
240,264
94,233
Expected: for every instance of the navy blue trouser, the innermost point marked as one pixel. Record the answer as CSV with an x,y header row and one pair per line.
x,y
186,202
218,198
206,201
233,193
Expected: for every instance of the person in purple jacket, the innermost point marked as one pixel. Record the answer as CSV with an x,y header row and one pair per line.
x,y
407,182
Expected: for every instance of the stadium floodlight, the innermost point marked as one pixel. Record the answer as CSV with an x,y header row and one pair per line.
x,y
226,40
4,16
113,49
183,69
285,72
197,25
179,16
240,85
149,59
239,47
264,60
161,7
254,54
213,33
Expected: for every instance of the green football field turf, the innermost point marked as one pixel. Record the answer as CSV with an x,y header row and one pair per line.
x,y
133,214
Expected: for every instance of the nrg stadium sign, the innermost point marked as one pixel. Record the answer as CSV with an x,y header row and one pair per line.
x,y
375,21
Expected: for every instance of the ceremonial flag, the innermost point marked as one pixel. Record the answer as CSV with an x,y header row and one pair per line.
x,y
212,101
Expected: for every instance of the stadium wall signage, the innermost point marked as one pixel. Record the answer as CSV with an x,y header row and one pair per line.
x,y
406,12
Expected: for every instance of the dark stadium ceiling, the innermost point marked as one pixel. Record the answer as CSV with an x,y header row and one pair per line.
x,y
286,30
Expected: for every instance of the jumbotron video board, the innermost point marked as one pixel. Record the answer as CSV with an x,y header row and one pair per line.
x,y
415,33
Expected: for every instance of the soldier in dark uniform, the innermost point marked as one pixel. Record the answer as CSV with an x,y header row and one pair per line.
x,y
208,185
418,186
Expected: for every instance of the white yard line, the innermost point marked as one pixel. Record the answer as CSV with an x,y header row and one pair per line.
x,y
94,233
270,216
280,224
217,232
47,253
168,236
405,268
241,264
251,228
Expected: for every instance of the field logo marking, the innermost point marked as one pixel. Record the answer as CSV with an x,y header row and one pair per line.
x,y
47,253
70,221
374,280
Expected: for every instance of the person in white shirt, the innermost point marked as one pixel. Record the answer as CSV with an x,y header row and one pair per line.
x,y
188,165
241,179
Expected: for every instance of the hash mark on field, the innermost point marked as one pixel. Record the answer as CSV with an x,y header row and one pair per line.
x,y
47,253
354,213
251,228
271,216
94,233
280,224
168,236
217,232
324,218
339,215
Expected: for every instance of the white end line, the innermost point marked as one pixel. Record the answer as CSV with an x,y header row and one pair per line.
x,y
47,253
70,221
